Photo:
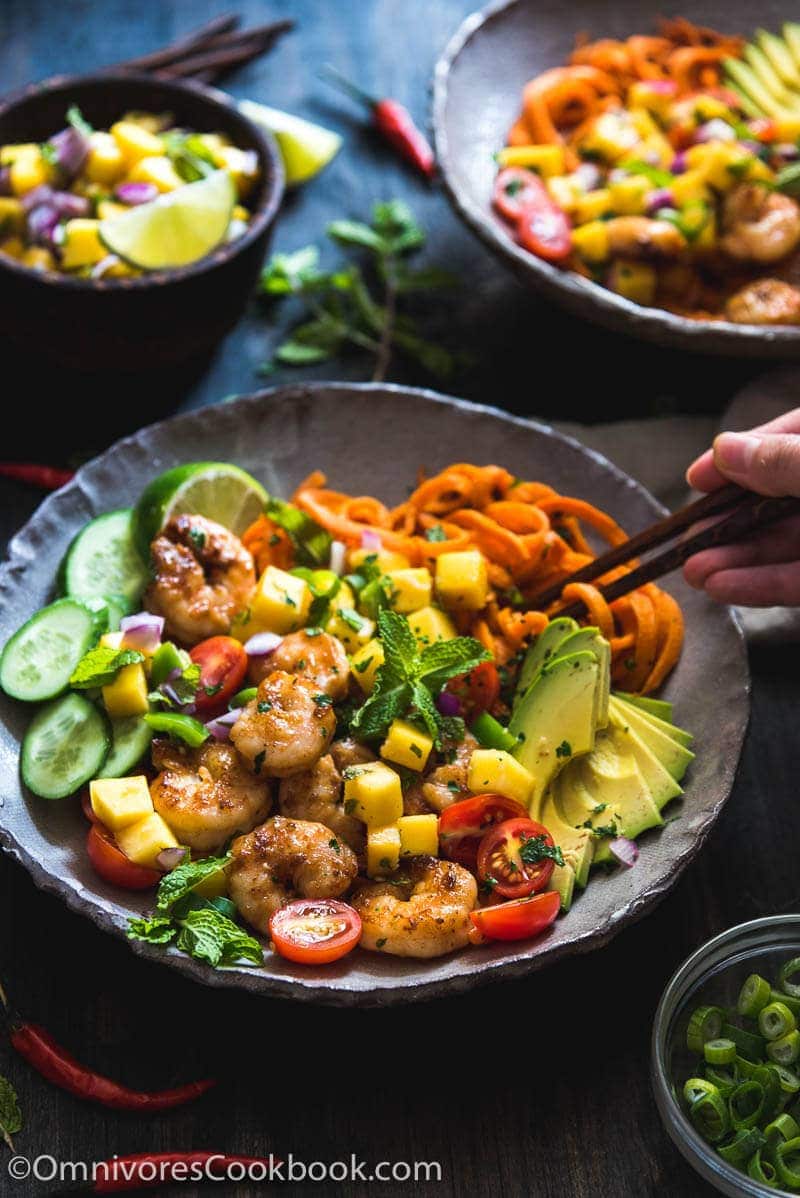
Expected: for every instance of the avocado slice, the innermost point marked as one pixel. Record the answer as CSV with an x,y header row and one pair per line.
x,y
660,782
590,638
674,756
791,35
576,843
748,106
657,707
614,779
555,718
779,57
745,77
666,726
767,74
576,804
562,880
542,650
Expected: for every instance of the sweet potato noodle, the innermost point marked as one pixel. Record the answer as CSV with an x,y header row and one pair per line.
x,y
531,537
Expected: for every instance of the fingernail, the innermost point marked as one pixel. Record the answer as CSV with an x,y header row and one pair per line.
x,y
733,452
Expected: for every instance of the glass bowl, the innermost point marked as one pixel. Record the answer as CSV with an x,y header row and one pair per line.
x,y
713,975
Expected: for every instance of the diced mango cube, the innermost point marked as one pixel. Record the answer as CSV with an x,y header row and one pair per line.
x,y
410,588
461,580
365,664
593,205
109,208
384,559
127,694
383,851
643,94
82,245
591,241
493,771
12,215
689,187
240,213
144,840
347,623
13,247
14,150
241,165
431,624
635,281
280,604
628,195
787,128
419,834
407,745
28,170
105,162
38,258
372,793
565,191
611,135
157,170
135,142
546,160
119,802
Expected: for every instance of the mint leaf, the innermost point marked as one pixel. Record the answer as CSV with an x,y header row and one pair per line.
x,y
285,274
157,930
208,935
395,222
100,666
423,701
311,542
447,659
78,121
399,643
183,879
354,232
10,1114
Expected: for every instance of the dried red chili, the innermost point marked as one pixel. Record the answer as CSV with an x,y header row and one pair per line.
x,y
394,123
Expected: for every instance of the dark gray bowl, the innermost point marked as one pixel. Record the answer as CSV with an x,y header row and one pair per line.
x,y
478,86
372,439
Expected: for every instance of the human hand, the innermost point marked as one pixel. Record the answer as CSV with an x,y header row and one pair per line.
x,y
763,571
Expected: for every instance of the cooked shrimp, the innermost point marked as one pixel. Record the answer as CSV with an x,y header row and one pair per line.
x,y
286,859
641,237
286,728
202,576
766,301
350,752
445,784
759,225
316,794
206,795
426,915
320,658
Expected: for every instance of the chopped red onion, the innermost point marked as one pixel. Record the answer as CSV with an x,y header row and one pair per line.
x,y
102,267
5,181
136,193
41,224
662,197
70,205
714,130
588,176
338,561
625,851
262,643
371,541
679,163
220,728
786,150
168,859
663,87
42,194
448,704
70,149
142,631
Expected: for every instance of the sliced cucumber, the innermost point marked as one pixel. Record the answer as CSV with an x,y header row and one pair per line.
x,y
65,745
130,740
103,560
39,659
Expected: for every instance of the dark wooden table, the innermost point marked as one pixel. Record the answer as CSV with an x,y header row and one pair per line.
x,y
539,1087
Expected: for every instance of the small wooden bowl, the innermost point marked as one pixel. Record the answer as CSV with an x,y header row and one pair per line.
x,y
161,318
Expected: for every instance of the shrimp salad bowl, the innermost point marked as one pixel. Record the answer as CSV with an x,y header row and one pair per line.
x,y
324,741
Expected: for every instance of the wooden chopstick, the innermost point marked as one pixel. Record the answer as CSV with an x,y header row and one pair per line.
x,y
181,47
222,54
751,513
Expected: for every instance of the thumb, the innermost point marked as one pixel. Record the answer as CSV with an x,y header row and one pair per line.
x,y
768,463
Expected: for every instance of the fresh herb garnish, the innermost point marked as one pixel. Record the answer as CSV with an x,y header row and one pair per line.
x,y
564,749
78,121
435,533
10,1114
311,543
344,304
536,848
100,666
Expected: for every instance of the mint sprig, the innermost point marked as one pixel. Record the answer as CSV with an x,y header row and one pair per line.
x,y
409,679
184,878
100,666
10,1114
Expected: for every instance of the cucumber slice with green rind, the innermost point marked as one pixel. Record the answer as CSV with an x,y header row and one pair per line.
x,y
130,740
103,560
38,661
65,746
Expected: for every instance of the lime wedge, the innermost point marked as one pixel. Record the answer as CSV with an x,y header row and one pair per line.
x,y
179,227
217,490
305,148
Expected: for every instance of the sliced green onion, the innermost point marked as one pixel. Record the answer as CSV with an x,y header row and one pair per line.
x,y
742,1146
789,1080
753,996
490,733
769,1081
785,977
746,1105
787,1163
704,1024
775,1021
747,1068
724,1077
762,1171
697,1087
709,1114
747,1045
719,1052
245,696
782,1127
178,726
788,1000
786,1050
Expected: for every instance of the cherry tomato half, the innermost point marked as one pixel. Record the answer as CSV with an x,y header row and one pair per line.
x,y
476,691
462,824
519,920
501,858
315,931
86,807
223,665
515,187
544,229
113,866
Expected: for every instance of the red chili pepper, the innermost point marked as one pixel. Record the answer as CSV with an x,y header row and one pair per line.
x,y
146,1170
394,123
49,478
58,1066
